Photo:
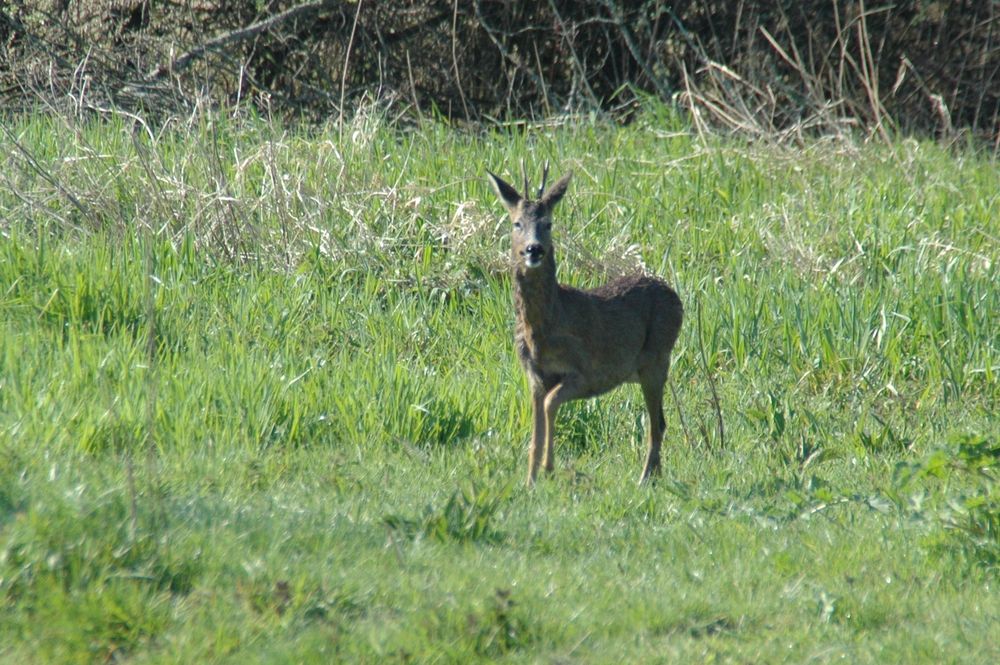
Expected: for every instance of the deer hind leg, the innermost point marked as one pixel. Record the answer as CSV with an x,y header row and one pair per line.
x,y
652,391
564,391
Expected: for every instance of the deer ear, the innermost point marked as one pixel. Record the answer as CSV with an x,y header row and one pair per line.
x,y
556,191
508,195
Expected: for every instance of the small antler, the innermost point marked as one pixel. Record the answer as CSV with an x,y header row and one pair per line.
x,y
545,177
524,176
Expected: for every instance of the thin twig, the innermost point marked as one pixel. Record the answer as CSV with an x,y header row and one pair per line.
x,y
541,77
133,501
620,23
343,75
184,60
454,58
581,70
680,412
869,76
413,87
49,178
492,33
711,382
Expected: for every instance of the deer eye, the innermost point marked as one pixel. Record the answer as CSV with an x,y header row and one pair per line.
x,y
517,225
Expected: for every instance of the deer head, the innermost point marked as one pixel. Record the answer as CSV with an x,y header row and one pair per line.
x,y
531,236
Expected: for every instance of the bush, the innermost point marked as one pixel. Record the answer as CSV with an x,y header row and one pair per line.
x,y
757,67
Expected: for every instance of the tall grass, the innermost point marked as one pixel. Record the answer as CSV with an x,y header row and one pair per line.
x,y
258,399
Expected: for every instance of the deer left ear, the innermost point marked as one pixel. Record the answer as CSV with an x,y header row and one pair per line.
x,y
508,195
556,191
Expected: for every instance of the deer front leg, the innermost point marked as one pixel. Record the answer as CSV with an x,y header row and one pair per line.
x,y
537,433
564,391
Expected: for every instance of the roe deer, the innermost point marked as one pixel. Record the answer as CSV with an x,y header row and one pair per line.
x,y
575,344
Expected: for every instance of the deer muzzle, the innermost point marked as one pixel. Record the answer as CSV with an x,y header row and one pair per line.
x,y
533,254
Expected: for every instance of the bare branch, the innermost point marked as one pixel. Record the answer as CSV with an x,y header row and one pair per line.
x,y
184,61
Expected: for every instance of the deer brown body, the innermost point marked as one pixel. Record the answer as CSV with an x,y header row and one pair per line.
x,y
575,344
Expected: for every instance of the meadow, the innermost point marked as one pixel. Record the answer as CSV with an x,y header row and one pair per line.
x,y
259,401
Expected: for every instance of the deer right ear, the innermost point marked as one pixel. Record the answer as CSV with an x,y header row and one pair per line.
x,y
508,195
557,191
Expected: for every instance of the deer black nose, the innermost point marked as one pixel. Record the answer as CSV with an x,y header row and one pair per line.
x,y
534,251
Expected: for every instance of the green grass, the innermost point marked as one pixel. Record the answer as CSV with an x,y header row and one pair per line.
x,y
258,400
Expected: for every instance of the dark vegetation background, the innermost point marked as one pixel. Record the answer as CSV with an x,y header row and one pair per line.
x,y
759,67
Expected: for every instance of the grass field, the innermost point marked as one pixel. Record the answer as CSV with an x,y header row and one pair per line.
x,y
259,402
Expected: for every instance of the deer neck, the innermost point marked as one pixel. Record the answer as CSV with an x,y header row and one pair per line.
x,y
536,295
